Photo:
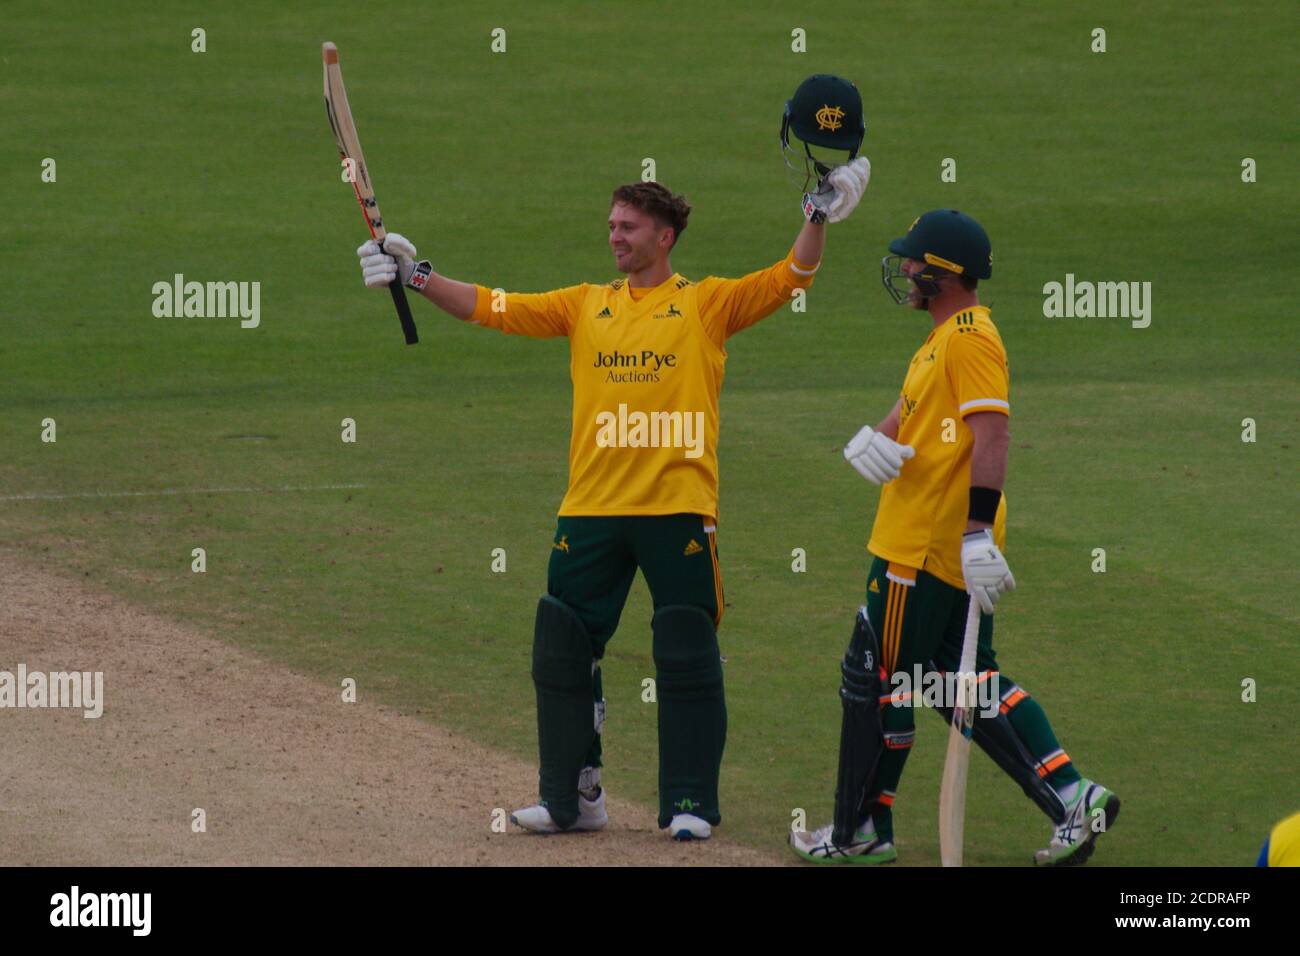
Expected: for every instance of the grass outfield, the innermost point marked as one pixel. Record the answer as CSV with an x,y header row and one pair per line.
x,y
1116,166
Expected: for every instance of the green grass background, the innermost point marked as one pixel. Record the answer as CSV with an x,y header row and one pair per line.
x,y
1116,166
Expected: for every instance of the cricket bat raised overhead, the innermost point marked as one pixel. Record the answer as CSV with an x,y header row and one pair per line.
x,y
952,795
345,135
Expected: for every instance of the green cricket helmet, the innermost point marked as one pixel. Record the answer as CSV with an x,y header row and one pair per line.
x,y
947,241
825,111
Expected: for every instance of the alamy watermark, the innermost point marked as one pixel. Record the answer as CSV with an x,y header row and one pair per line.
x,y
937,689
77,690
1102,300
208,300
636,429
129,910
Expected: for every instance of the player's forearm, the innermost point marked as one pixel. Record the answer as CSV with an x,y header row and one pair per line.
x,y
988,467
889,425
454,298
810,244
988,463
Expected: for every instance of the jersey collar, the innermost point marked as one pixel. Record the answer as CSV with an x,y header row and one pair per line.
x,y
668,285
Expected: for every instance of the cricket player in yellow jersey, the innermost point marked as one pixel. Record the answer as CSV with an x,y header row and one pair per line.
x,y
940,456
647,355
1282,848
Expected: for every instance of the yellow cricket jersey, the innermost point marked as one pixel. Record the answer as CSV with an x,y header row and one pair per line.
x,y
961,369
1283,846
647,368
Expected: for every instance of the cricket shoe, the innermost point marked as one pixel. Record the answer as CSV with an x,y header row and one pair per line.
x,y
866,846
591,816
1090,815
687,826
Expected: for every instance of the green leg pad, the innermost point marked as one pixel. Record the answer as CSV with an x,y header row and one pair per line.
x,y
562,675
593,758
692,712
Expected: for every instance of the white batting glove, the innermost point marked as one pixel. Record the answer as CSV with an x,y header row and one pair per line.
x,y
380,266
984,569
878,458
848,183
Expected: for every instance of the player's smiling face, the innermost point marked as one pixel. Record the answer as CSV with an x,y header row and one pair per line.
x,y
635,238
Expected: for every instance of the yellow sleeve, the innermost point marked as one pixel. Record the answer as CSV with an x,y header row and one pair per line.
x,y
538,315
729,305
977,370
1284,843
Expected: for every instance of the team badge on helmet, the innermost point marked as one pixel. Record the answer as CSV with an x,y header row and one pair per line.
x,y
826,112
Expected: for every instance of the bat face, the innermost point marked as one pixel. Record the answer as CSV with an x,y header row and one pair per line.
x,y
952,797
956,765
349,144
345,137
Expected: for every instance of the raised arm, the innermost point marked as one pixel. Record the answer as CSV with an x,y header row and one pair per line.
x,y
379,267
539,315
455,298
730,305
810,243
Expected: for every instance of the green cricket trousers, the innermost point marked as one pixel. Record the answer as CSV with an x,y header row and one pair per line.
x,y
593,562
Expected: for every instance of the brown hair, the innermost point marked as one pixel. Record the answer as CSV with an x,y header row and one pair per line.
x,y
667,208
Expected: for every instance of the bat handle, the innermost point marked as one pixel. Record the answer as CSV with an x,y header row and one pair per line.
x,y
403,311
971,636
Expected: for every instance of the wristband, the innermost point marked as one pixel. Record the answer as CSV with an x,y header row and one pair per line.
x,y
812,211
420,277
984,504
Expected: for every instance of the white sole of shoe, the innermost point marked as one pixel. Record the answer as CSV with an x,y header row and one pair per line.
x,y
692,829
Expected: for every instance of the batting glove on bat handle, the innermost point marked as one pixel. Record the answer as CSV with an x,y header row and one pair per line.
x,y
383,263
985,569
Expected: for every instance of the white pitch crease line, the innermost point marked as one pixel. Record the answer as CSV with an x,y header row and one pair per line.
x,y
175,491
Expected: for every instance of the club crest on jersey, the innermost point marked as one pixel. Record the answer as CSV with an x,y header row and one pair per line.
x,y
672,313
829,117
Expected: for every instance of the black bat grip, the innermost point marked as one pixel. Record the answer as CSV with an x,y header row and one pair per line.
x,y
403,311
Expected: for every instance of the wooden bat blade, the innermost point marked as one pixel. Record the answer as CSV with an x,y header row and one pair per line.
x,y
956,763
347,140
349,145
952,800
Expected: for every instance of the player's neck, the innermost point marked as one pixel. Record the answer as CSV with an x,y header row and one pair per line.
x,y
946,306
651,276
